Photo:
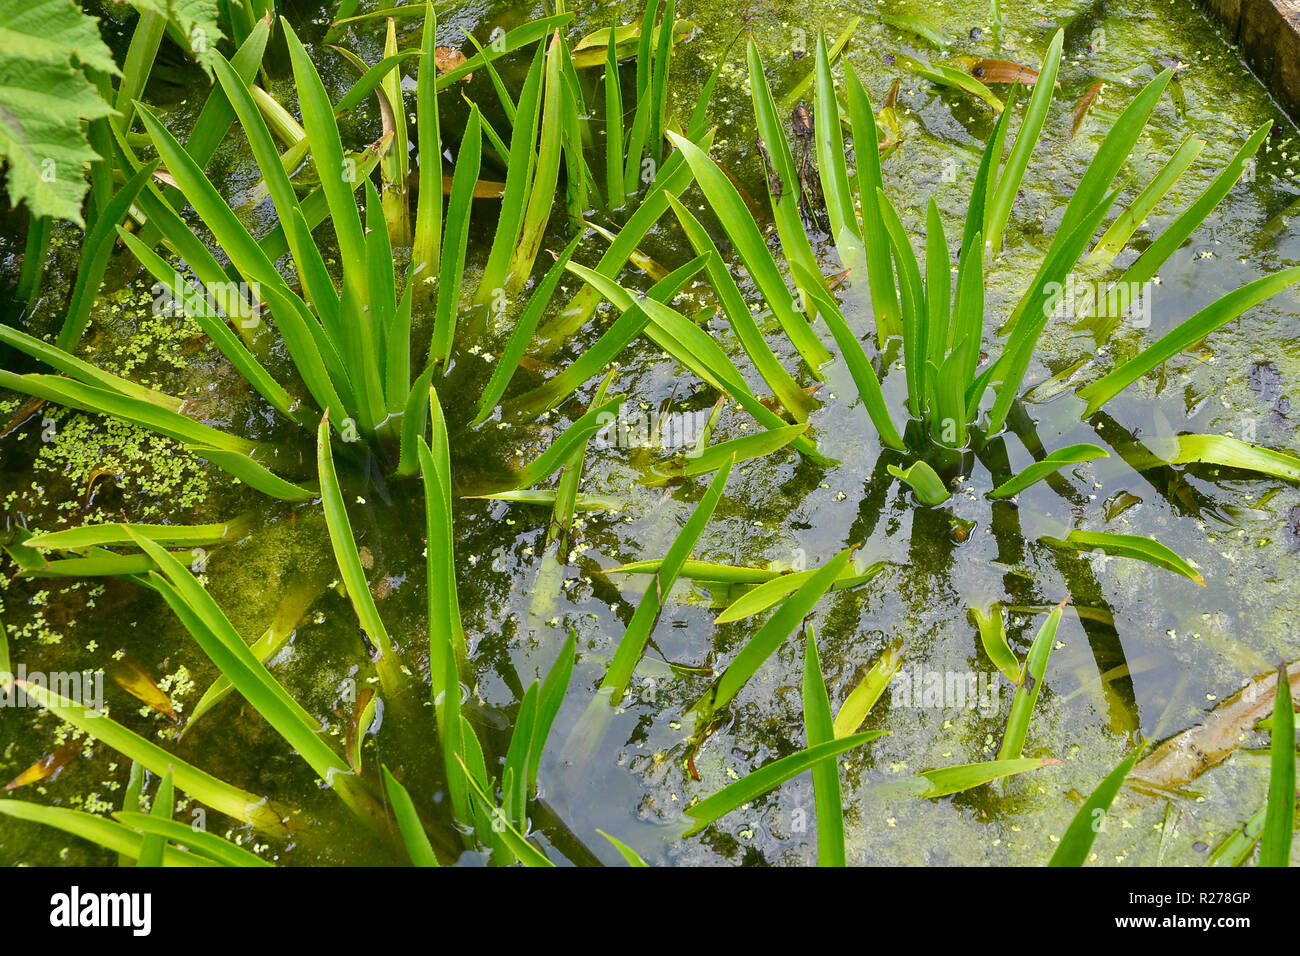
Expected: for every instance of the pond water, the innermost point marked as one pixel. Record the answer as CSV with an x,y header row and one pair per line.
x,y
1140,650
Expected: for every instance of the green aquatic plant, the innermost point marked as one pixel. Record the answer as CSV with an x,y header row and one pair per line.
x,y
942,322
348,336
931,312
353,340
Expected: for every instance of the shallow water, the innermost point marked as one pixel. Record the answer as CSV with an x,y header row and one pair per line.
x,y
1181,648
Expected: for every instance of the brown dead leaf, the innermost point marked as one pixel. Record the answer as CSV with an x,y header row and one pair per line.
x,y
999,71
1184,757
1085,104
483,189
448,59
891,98
47,766
534,365
133,679
355,730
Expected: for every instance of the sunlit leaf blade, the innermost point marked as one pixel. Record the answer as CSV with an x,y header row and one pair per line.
x,y
949,780
694,348
518,844
197,841
859,365
350,568
541,194
955,79
426,241
741,318
164,803
1214,450
863,697
214,327
769,637
252,474
830,149
705,571
1176,233
415,423
1126,223
771,592
521,36
327,151
1185,335
879,266
753,251
554,457
202,786
99,830
630,855
714,457
1012,174
993,636
89,398
83,371
521,335
1237,847
456,238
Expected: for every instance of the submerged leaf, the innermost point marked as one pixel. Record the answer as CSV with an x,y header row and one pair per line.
x,y
47,766
1185,756
131,677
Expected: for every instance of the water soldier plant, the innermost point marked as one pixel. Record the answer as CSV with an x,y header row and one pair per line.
x,y
957,403
357,320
